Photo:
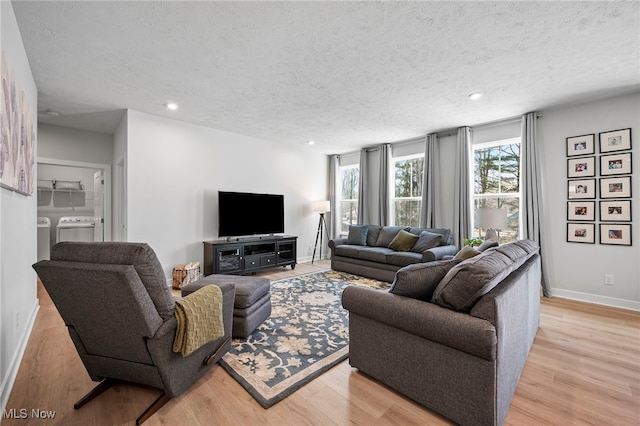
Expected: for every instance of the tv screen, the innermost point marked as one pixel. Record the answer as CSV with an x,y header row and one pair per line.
x,y
242,213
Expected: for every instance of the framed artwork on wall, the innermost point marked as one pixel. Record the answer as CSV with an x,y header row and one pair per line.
x,y
581,210
581,189
616,187
615,233
581,167
615,140
615,211
616,164
581,145
581,233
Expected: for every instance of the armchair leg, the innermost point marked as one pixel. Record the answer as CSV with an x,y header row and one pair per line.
x,y
101,387
207,360
155,406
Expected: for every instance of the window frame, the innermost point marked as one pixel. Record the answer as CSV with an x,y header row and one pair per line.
x,y
392,186
341,169
476,197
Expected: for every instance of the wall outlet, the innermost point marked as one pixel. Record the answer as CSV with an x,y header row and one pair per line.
x,y
608,279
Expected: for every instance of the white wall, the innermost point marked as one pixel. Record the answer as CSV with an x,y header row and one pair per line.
x,y
18,250
74,145
120,181
174,172
577,270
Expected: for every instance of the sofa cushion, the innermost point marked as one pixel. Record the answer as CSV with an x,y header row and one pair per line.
x,y
346,250
420,280
403,258
373,231
427,240
387,234
357,235
403,241
374,254
469,280
467,252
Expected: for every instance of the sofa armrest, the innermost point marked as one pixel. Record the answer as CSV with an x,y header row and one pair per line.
x,y
456,330
438,253
337,242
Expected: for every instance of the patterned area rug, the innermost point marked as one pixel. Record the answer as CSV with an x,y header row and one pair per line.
x,y
307,334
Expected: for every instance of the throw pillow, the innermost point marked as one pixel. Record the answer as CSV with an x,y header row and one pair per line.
x,y
420,280
487,244
387,234
357,235
427,240
467,252
403,241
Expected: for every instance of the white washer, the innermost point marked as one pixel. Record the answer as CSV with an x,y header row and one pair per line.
x,y
75,228
44,238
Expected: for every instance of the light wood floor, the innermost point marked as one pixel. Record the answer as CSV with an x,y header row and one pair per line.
x,y
584,369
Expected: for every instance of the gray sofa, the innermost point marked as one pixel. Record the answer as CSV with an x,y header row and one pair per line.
x,y
460,343
371,256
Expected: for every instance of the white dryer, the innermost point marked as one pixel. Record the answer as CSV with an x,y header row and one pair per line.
x,y
44,238
75,228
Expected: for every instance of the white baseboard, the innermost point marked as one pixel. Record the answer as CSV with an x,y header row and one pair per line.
x,y
14,366
597,299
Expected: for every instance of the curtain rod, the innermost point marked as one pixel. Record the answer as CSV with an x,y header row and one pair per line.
x,y
451,132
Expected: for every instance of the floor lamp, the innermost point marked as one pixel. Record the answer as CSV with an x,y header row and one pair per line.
x,y
320,207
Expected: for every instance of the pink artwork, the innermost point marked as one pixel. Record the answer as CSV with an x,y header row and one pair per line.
x,y
17,156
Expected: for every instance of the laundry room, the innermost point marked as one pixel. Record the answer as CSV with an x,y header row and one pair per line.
x,y
68,198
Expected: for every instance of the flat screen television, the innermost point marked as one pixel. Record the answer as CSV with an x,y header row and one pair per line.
x,y
242,214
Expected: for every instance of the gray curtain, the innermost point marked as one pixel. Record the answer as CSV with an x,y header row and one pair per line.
x,y
462,189
430,182
363,188
531,201
384,200
334,193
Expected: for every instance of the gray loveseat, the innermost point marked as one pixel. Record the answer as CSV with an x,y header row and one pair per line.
x,y
366,250
459,351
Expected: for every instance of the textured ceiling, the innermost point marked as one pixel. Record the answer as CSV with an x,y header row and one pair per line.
x,y
344,74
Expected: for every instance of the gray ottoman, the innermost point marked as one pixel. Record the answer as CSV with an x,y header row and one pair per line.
x,y
252,303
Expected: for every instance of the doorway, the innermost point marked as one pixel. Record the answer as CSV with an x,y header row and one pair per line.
x,y
75,188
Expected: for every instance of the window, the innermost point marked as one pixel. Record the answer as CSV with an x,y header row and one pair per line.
x,y
349,176
407,190
496,175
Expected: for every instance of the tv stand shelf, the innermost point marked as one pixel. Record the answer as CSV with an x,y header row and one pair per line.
x,y
249,255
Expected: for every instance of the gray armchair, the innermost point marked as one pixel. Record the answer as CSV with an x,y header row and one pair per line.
x,y
115,302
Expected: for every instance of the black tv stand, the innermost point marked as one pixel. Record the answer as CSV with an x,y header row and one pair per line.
x,y
248,255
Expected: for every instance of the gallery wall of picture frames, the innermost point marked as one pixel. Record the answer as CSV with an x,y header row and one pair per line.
x,y
599,188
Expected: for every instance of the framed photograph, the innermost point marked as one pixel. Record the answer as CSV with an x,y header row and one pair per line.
x,y
615,140
615,233
581,145
581,167
581,210
581,189
581,233
616,164
615,211
617,187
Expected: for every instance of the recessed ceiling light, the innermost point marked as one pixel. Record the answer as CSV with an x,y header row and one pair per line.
x,y
475,96
311,142
172,106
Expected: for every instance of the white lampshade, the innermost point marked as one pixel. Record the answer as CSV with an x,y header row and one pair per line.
x,y
321,206
492,219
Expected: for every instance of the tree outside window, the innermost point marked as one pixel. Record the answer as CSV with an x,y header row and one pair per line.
x,y
496,174
407,190
349,176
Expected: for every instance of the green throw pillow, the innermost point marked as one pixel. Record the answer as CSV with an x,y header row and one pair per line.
x,y
404,241
467,252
